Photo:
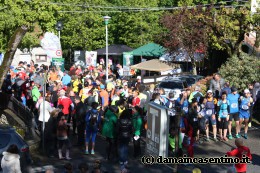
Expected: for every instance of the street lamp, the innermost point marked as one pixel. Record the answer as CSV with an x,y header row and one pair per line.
x,y
59,27
106,19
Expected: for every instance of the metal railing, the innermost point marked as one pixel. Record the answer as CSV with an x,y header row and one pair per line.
x,y
23,112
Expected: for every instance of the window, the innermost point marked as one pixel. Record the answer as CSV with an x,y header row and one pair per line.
x,y
171,85
41,58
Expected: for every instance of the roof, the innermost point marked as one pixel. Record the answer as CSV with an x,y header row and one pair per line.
x,y
154,65
114,49
150,49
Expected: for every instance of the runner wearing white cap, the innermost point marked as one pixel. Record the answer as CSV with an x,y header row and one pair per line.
x,y
245,103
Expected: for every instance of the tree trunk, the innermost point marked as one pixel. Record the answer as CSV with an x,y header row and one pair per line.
x,y
9,54
194,69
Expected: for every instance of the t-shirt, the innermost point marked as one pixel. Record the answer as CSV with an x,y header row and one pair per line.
x,y
233,100
104,97
65,102
223,108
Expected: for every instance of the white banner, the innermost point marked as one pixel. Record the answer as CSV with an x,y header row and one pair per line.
x,y
91,58
51,44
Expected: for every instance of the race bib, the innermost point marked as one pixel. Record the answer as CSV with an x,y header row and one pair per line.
x,y
185,109
209,112
225,113
245,107
234,105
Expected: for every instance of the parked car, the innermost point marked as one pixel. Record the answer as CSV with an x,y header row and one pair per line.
x,y
9,136
173,84
191,79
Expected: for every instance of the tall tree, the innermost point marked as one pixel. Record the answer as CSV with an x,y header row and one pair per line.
x,y
18,17
186,32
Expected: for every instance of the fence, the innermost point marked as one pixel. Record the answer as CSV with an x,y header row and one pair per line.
x,y
23,112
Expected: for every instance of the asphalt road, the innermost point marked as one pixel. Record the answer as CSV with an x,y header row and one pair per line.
x,y
212,149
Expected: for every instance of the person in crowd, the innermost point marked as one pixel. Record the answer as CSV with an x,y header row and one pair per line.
x,y
83,167
66,102
66,78
35,92
93,119
210,114
125,89
172,143
233,98
121,105
45,110
163,97
51,133
223,116
7,85
63,140
137,126
240,152
244,114
182,101
191,126
10,162
123,130
68,168
80,113
216,84
136,100
226,89
104,97
84,92
90,99
109,130
195,94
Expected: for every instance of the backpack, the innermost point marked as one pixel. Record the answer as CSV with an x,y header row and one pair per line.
x,y
93,118
197,96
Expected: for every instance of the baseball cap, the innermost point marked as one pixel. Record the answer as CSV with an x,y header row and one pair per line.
x,y
233,89
209,91
246,91
138,77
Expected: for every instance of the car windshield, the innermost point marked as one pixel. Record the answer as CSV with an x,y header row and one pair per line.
x,y
190,81
171,85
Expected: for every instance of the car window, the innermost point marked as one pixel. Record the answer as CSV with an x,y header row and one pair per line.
x,y
5,139
190,81
171,85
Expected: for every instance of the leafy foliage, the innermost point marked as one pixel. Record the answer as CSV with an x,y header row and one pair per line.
x,y
186,30
240,71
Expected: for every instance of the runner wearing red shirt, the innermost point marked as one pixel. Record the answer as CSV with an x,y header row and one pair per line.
x,y
136,100
239,152
65,102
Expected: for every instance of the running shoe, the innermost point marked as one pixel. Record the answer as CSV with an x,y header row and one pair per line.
x,y
230,137
237,135
92,152
86,152
245,135
215,139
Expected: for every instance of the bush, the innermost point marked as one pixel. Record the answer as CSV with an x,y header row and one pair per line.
x,y
241,71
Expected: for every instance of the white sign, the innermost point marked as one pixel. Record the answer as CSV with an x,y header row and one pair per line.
x,y
157,130
91,58
51,44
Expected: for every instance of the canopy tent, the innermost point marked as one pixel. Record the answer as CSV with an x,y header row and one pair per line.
x,y
114,49
155,65
150,49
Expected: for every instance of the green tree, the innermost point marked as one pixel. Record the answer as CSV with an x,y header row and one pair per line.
x,y
241,71
17,18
